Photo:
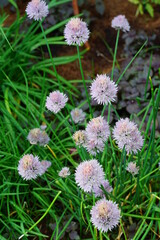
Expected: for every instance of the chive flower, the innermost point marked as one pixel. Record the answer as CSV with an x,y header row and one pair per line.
x,y
103,90
105,215
78,115
97,133
37,9
120,22
45,165
89,174
79,138
65,172
30,167
56,101
126,134
76,32
98,191
132,168
38,136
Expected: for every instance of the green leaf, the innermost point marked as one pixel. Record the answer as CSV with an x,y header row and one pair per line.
x,y
13,3
134,1
150,9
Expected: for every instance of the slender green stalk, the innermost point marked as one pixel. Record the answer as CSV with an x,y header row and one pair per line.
x,y
119,79
112,73
141,217
154,122
130,187
115,54
149,70
123,229
39,220
4,35
51,57
84,83
146,217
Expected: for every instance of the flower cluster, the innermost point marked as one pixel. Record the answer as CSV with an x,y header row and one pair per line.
x,y
97,133
37,9
78,115
94,137
89,175
120,22
56,101
76,32
30,167
38,136
79,137
105,215
103,90
132,168
126,134
65,172
98,191
45,165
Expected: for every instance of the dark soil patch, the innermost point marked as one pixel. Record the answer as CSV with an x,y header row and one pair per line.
x,y
98,59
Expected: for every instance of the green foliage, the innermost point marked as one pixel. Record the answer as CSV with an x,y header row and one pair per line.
x,y
145,5
28,207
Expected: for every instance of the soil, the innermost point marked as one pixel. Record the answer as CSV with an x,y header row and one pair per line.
x,y
98,59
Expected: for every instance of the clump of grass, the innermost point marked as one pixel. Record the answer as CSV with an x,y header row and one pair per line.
x,y
28,207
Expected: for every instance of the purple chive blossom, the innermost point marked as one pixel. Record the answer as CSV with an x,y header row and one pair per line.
x,y
78,115
97,133
105,215
103,90
45,165
43,127
120,22
89,174
76,32
37,9
56,101
38,136
132,168
127,134
65,172
98,191
79,137
30,167
94,147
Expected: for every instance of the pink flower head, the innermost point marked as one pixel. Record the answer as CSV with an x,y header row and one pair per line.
x,y
76,32
37,9
97,133
30,167
38,136
120,22
127,134
78,115
98,190
65,172
79,137
56,101
45,165
89,174
105,215
94,146
132,168
103,90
